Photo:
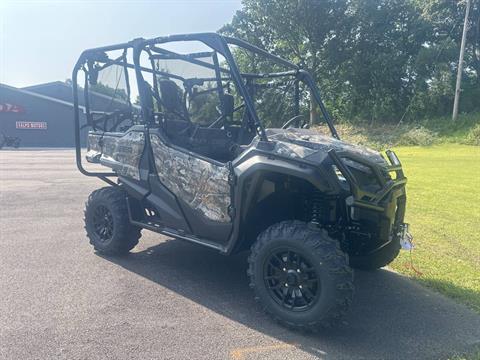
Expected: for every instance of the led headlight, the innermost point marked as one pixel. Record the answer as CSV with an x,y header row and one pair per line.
x,y
357,166
363,175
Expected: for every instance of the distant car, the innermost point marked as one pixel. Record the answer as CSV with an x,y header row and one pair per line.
x,y
194,161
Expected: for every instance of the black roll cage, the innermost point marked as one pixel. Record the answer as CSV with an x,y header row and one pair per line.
x,y
216,42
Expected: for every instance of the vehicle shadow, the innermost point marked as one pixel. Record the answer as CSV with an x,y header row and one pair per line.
x,y
391,317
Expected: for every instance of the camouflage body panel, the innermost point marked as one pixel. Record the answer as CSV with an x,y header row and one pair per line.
x,y
202,185
300,143
121,152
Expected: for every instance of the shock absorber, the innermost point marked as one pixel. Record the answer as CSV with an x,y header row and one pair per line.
x,y
317,208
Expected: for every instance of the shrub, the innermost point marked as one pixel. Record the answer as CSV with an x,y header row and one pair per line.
x,y
473,136
418,136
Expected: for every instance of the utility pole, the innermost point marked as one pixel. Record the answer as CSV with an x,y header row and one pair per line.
x,y
460,63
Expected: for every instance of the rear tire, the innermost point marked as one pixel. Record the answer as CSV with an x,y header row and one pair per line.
x,y
107,223
300,276
378,259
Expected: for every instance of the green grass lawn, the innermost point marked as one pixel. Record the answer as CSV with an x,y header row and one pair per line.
x,y
443,208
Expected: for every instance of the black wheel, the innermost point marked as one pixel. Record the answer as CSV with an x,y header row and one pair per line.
x,y
377,259
300,276
107,224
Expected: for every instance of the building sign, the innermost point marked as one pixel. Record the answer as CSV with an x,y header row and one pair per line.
x,y
38,125
11,108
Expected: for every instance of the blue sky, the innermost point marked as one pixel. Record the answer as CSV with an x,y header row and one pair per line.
x,y
41,40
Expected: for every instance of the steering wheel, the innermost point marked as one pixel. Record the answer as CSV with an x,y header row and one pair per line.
x,y
295,120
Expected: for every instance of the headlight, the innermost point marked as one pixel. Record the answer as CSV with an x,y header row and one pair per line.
x,y
357,166
363,175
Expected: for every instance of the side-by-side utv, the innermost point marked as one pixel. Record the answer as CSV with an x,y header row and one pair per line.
x,y
207,139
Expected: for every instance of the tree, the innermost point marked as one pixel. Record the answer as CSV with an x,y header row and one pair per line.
x,y
120,94
440,56
377,60
291,29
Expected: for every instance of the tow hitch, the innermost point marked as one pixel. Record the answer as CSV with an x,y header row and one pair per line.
x,y
406,239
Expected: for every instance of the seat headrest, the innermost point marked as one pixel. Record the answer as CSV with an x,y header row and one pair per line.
x,y
171,95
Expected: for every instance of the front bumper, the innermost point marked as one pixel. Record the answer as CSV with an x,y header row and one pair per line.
x,y
364,198
375,218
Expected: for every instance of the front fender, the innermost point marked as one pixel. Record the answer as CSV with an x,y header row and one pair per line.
x,y
250,173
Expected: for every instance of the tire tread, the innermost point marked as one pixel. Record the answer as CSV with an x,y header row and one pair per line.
x,y
126,235
327,250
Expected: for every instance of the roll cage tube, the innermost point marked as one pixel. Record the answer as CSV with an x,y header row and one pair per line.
x,y
93,55
216,42
302,75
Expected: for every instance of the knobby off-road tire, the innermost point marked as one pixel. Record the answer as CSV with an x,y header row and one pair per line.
x,y
307,254
378,259
107,224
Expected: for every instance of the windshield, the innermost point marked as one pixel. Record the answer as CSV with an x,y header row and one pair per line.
x,y
206,83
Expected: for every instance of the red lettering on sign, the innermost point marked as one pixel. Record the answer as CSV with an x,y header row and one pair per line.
x,y
5,107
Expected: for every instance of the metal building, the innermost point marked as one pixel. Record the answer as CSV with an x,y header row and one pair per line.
x,y
42,115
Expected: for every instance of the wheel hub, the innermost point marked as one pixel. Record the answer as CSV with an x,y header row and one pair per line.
x,y
291,280
103,223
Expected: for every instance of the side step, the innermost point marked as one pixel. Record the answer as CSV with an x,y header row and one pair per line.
x,y
161,229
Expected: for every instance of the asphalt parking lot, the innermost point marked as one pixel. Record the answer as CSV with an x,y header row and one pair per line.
x,y
173,300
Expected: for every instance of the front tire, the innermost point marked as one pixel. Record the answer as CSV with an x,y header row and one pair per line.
x,y
107,223
300,276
